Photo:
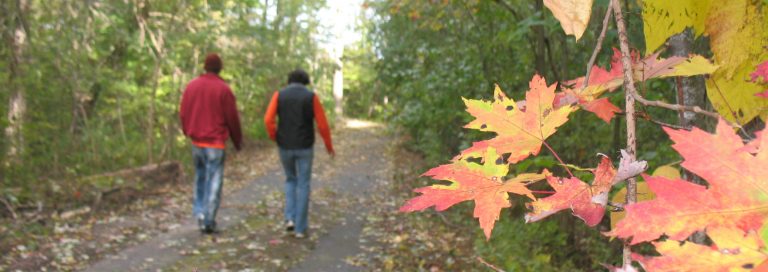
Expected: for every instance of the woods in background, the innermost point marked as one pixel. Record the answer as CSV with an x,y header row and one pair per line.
x,y
94,86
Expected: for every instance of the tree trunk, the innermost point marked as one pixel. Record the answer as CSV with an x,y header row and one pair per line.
x,y
16,39
690,92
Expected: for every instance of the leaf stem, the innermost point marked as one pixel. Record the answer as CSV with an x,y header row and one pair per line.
x,y
558,158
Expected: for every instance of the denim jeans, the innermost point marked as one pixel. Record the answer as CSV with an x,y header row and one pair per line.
x,y
209,172
297,164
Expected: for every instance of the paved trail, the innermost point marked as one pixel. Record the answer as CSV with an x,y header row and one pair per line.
x,y
251,238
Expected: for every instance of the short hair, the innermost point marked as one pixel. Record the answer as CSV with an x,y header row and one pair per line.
x,y
213,63
298,76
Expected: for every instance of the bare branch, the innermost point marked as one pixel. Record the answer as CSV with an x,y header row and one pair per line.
x,y
599,45
9,207
629,97
489,265
675,107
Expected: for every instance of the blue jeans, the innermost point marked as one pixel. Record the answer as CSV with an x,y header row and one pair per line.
x,y
209,171
297,164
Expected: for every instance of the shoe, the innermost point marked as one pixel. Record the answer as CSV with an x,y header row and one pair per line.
x,y
289,225
210,229
201,222
300,235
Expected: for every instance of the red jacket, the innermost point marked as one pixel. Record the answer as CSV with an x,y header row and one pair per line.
x,y
209,113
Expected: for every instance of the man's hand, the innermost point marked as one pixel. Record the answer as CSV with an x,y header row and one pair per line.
x,y
332,153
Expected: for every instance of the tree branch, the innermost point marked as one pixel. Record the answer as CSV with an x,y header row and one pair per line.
x,y
489,265
675,107
508,8
9,207
629,97
599,45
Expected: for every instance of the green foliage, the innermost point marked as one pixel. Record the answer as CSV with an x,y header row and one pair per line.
x,y
546,246
103,80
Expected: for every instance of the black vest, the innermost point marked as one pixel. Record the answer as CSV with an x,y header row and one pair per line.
x,y
295,112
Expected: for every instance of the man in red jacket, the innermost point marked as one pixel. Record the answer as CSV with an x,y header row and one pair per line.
x,y
209,117
296,108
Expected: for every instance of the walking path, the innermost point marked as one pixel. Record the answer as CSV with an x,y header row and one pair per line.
x,y
251,238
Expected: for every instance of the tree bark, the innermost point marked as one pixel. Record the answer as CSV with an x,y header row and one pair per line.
x,y
690,92
16,38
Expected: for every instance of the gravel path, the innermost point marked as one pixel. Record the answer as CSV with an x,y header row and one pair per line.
x,y
251,238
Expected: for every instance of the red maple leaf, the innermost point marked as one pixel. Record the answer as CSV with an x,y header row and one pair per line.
x,y
602,80
483,183
577,195
736,198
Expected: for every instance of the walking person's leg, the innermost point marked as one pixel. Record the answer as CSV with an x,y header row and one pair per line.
x,y
215,172
303,189
288,161
198,157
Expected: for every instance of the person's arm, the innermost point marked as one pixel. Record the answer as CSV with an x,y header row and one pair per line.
x,y
322,124
269,117
182,111
232,118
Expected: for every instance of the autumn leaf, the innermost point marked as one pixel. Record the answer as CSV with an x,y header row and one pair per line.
x,y
738,30
572,14
484,183
760,71
602,80
603,108
664,18
737,195
577,195
733,250
521,130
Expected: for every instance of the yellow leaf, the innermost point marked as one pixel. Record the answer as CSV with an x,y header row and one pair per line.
x,y
737,30
697,65
664,18
667,171
572,14
734,98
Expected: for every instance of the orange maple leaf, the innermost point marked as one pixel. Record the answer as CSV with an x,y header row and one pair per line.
x,y
736,198
521,130
577,195
483,183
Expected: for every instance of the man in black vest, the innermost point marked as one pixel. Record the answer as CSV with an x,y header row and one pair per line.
x,y
296,107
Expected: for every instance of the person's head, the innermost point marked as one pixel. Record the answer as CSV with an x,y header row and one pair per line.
x,y
213,63
298,76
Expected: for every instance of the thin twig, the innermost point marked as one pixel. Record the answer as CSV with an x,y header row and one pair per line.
x,y
666,124
599,45
9,207
675,107
489,265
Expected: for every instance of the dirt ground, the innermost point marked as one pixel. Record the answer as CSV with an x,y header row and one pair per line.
x,y
354,222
